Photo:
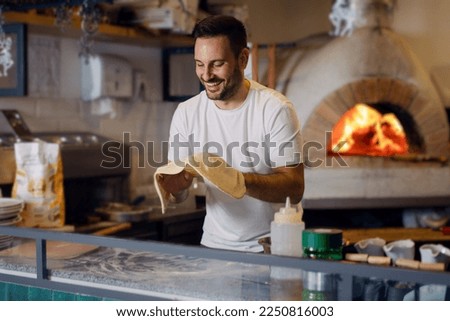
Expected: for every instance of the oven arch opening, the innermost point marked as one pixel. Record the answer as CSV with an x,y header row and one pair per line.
x,y
378,129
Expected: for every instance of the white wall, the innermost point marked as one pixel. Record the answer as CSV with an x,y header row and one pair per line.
x,y
281,21
53,101
426,26
424,23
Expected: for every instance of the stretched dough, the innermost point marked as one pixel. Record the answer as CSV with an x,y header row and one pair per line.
x,y
211,167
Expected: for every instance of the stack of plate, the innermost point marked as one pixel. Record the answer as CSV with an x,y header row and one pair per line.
x,y
10,209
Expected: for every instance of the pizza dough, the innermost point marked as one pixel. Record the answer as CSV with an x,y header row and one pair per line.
x,y
211,167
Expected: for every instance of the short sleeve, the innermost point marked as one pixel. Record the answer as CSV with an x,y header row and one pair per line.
x,y
285,137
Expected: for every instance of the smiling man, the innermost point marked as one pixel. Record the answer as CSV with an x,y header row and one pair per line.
x,y
253,128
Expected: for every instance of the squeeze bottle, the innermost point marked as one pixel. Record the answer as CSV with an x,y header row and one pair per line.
x,y
286,231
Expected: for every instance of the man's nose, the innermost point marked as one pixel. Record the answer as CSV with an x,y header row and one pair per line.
x,y
207,73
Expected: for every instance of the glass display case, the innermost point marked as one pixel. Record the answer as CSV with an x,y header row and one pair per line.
x,y
50,265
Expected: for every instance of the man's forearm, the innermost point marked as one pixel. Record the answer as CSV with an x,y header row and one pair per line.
x,y
277,186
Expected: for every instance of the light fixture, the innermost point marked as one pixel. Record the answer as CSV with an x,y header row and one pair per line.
x,y
63,15
89,14
90,19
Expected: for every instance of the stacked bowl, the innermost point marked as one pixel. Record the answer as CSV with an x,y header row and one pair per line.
x,y
10,209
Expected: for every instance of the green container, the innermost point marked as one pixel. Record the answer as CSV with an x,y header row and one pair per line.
x,y
322,243
325,244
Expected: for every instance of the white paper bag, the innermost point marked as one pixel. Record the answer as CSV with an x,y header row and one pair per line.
x,y
39,182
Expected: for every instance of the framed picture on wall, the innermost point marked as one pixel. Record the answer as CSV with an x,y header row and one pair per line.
x,y
13,63
180,81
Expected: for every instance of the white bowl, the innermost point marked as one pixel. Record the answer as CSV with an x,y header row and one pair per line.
x,y
401,249
371,246
434,253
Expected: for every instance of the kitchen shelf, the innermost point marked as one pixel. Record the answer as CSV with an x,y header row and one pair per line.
x,y
390,234
45,24
34,4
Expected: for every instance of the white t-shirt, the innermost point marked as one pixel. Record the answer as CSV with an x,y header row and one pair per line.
x,y
261,134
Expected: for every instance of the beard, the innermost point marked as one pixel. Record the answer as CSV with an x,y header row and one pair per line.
x,y
229,86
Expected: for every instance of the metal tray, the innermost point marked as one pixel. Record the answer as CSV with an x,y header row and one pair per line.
x,y
121,212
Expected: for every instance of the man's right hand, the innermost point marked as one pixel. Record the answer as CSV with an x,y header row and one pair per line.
x,y
175,184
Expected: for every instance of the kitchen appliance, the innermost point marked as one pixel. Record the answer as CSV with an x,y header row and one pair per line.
x,y
92,177
105,76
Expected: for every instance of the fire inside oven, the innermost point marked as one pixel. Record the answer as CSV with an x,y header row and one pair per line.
x,y
380,129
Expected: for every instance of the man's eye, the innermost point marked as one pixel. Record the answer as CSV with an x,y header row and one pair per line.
x,y
218,64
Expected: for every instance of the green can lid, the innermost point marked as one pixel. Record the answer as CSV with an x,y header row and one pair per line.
x,y
322,238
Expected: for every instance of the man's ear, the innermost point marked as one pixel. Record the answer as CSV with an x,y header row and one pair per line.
x,y
243,57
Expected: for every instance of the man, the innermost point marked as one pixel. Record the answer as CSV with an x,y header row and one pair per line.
x,y
253,128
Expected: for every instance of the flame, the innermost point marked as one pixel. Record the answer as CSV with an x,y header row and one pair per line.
x,y
362,130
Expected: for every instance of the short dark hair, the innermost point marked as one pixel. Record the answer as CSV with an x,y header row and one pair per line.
x,y
222,25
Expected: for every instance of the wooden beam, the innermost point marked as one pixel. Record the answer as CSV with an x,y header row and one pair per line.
x,y
272,69
255,61
46,24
